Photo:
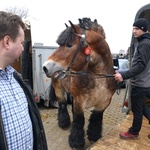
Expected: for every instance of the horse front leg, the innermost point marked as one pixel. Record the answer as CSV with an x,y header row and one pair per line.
x,y
94,131
77,133
63,116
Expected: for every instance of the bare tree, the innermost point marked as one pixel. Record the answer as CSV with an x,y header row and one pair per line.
x,y
22,12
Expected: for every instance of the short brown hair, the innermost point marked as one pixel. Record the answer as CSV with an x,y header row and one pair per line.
x,y
9,25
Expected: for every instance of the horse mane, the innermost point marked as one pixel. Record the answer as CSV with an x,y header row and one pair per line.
x,y
67,36
86,23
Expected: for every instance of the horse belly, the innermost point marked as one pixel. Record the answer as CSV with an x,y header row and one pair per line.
x,y
100,98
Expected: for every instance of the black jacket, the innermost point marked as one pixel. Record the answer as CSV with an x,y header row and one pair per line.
x,y
38,129
140,66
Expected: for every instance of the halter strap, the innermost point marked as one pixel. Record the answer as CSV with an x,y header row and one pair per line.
x,y
76,52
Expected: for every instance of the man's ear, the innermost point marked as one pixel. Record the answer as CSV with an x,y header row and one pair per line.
x,y
7,41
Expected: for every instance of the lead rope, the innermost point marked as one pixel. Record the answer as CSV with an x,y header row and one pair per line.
x,y
118,90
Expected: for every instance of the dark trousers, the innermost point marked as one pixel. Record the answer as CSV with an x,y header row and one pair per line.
x,y
139,108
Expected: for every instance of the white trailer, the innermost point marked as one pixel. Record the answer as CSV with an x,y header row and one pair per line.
x,y
41,83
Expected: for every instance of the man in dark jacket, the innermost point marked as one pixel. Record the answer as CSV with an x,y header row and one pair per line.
x,y
140,78
21,127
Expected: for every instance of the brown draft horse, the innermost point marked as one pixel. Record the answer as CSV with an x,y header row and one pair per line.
x,y
82,65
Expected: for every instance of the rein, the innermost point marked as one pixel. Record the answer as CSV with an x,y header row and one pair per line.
x,y
73,73
74,56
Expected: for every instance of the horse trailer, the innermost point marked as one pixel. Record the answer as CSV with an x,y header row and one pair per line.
x,y
41,83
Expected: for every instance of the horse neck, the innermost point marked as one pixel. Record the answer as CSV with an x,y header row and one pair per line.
x,y
101,62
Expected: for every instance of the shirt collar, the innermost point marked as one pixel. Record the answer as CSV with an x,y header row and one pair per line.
x,y
8,70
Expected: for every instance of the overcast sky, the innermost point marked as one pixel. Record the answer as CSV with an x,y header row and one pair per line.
x,y
47,18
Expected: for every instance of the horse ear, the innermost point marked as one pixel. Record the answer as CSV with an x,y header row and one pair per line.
x,y
66,25
95,21
72,25
80,21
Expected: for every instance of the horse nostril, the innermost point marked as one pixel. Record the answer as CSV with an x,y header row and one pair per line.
x,y
45,70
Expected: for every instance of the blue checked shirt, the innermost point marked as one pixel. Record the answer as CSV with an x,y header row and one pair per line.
x,y
15,113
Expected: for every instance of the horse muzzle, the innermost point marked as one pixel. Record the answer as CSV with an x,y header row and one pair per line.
x,y
54,70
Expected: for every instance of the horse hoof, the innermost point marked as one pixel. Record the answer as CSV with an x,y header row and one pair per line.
x,y
65,128
91,142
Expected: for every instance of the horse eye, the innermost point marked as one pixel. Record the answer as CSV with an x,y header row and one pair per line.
x,y
69,45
